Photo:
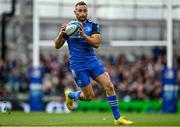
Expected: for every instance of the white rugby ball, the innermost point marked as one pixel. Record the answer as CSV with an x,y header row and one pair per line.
x,y
72,28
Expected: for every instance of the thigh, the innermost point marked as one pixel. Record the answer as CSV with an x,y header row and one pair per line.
x,y
82,78
105,82
97,69
88,90
103,79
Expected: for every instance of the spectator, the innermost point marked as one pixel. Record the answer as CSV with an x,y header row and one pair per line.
x,y
135,77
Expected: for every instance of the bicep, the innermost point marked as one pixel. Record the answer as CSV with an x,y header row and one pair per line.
x,y
96,36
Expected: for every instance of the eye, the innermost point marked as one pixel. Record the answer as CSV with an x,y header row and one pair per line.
x,y
80,10
85,10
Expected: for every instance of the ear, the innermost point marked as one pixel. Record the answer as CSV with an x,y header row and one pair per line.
x,y
74,11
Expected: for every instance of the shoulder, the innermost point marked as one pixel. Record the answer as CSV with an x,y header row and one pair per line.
x,y
92,22
95,29
95,26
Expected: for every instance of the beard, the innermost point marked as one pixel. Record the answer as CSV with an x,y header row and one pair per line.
x,y
82,18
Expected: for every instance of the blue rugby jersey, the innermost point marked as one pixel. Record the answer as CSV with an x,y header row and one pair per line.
x,y
81,52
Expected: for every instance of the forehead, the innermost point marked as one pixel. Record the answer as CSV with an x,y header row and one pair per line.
x,y
83,7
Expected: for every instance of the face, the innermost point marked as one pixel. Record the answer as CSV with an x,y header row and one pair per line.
x,y
81,12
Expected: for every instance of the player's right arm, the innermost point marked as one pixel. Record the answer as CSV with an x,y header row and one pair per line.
x,y
60,39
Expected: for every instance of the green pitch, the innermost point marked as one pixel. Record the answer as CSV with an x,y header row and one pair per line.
x,y
85,119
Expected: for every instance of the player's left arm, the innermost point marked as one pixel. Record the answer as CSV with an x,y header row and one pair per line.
x,y
94,39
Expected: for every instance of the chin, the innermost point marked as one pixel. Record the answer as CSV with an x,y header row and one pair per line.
x,y
82,20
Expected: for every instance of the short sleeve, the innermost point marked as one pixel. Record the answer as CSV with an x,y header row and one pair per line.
x,y
95,29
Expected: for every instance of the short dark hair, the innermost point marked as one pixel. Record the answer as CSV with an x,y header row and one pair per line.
x,y
80,3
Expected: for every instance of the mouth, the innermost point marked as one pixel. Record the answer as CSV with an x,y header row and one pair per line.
x,y
82,18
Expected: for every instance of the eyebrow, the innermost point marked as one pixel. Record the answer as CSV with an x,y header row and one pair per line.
x,y
82,9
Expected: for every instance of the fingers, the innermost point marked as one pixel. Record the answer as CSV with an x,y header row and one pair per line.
x,y
63,27
81,29
81,25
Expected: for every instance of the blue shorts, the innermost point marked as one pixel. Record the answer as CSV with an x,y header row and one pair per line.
x,y
82,78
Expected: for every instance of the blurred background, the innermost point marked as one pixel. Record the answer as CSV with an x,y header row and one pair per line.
x,y
133,50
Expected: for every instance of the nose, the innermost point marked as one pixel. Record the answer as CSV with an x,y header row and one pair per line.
x,y
83,14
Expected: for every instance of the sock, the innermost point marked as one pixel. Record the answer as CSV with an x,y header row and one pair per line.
x,y
75,95
113,102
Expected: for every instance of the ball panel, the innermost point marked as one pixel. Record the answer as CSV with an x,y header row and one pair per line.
x,y
72,28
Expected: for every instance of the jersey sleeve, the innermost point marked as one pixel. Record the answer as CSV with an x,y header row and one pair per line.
x,y
95,29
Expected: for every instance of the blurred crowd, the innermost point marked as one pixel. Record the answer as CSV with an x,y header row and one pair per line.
x,y
134,76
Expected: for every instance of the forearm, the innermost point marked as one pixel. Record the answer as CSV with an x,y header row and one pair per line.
x,y
92,41
59,41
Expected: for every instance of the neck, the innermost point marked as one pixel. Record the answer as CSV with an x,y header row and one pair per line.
x,y
83,21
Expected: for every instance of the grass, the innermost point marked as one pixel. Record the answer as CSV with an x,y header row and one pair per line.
x,y
85,119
